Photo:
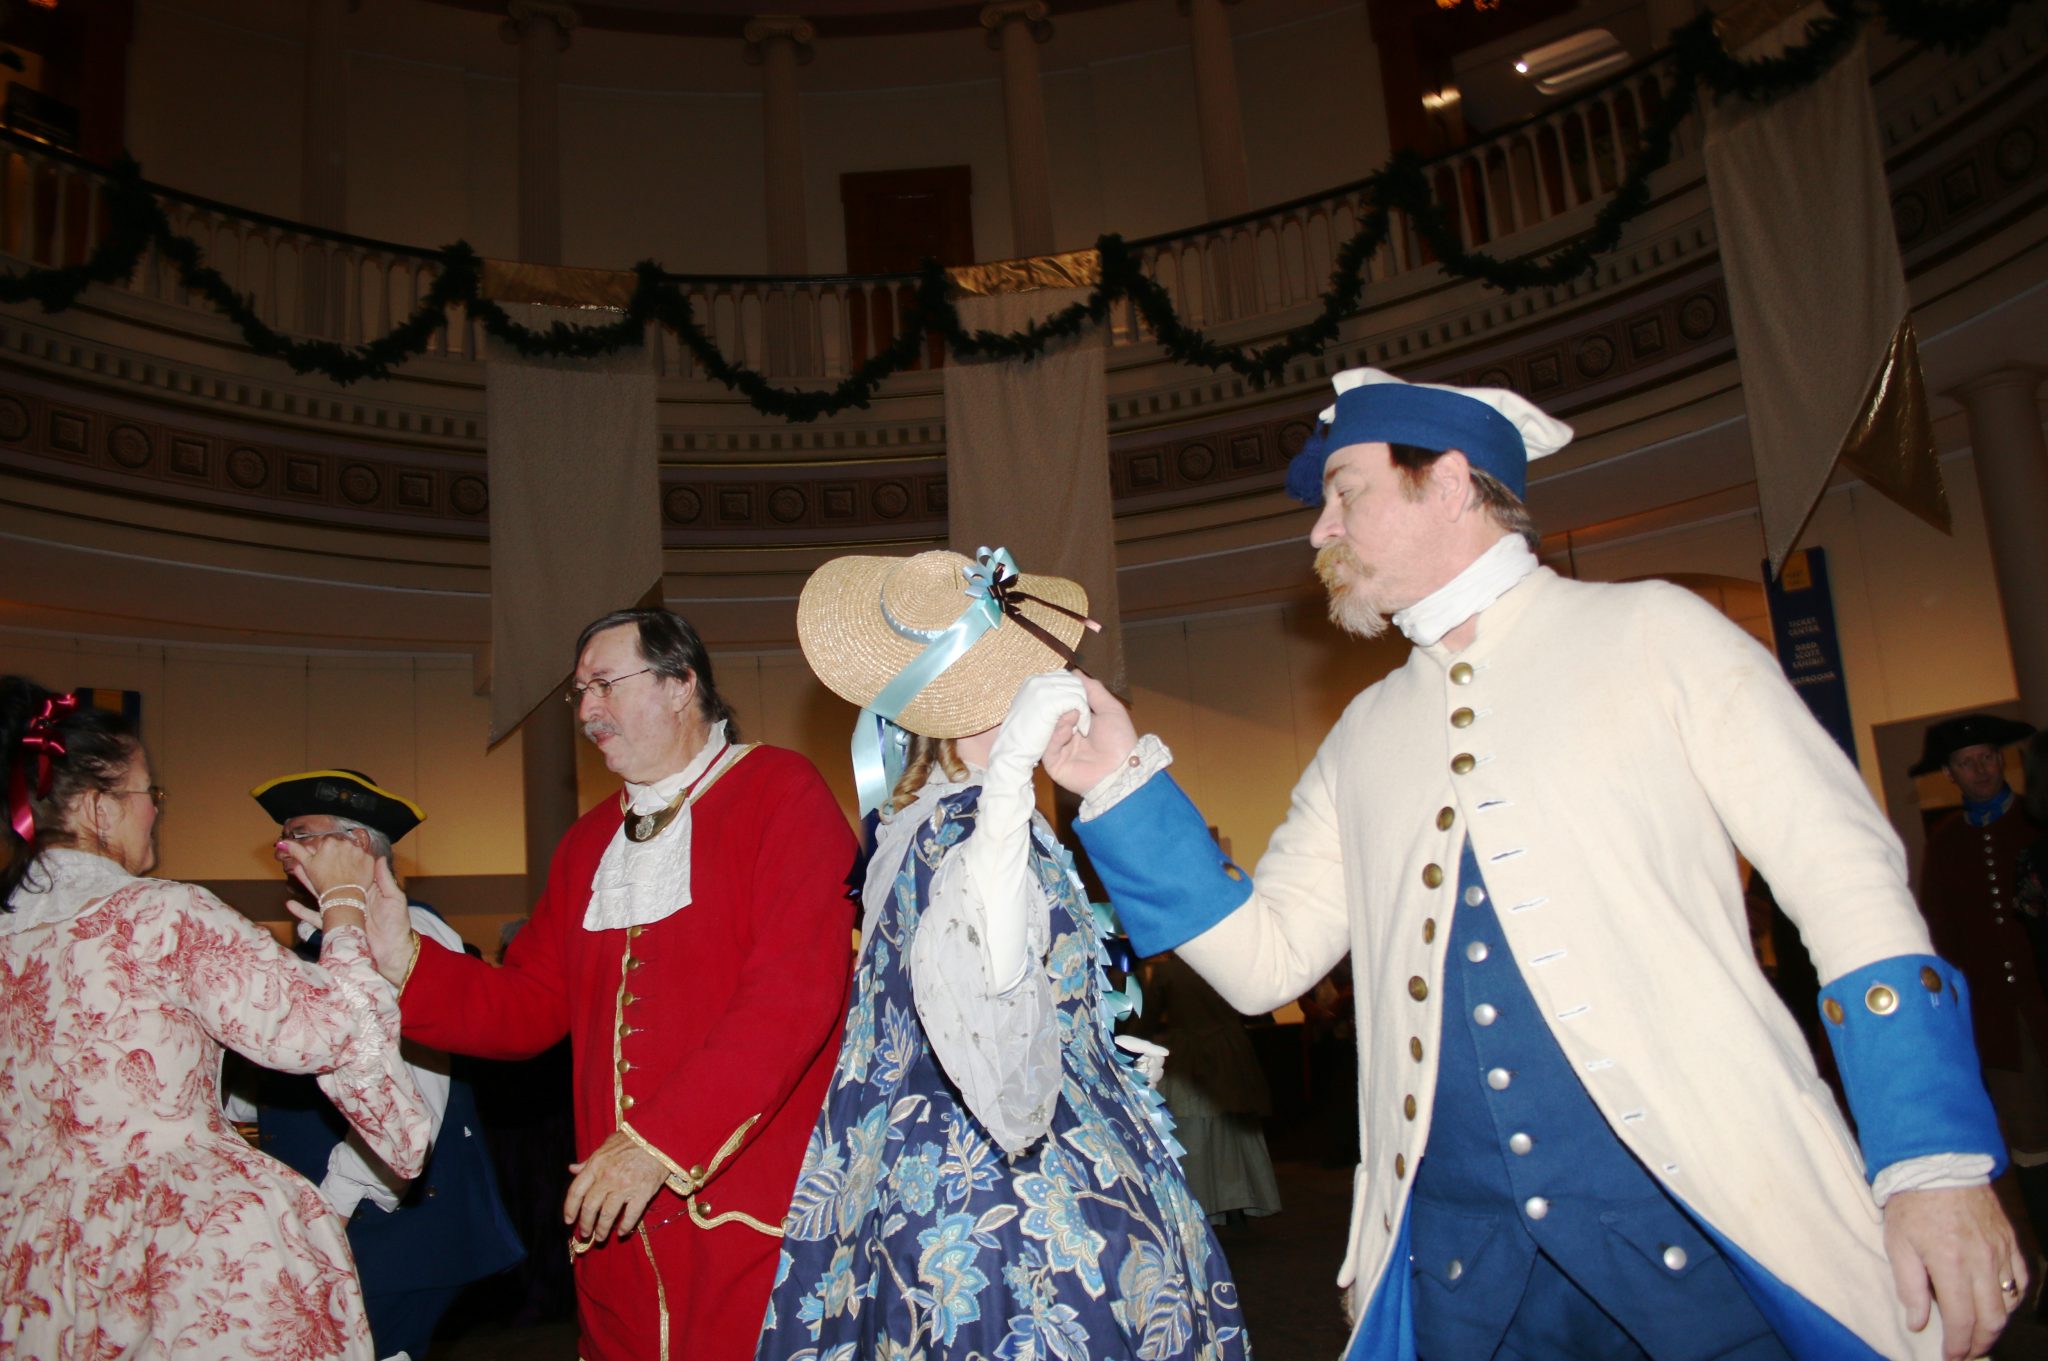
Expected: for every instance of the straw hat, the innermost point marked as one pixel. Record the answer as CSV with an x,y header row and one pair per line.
x,y
844,623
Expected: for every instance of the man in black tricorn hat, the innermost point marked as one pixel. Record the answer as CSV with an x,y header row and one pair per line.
x,y
416,1244
1967,893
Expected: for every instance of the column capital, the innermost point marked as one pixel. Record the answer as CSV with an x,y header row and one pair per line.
x,y
522,15
764,29
2026,376
998,15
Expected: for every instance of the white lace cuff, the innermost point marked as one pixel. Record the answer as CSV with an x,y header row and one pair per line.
x,y
1147,759
1935,1172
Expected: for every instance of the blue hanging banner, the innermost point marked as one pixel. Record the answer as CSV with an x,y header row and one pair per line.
x,y
1803,623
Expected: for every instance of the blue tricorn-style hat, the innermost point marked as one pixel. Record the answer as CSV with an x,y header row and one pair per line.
x,y
1499,432
339,793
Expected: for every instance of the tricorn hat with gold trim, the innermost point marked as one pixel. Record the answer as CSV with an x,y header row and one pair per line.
x,y
342,794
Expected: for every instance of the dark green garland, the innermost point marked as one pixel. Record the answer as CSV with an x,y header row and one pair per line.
x,y
137,221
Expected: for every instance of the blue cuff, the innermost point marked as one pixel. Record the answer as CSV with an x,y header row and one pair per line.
x,y
1901,1035
1167,879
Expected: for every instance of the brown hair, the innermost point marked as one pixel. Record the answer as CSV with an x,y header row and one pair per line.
x,y
98,747
925,752
1491,495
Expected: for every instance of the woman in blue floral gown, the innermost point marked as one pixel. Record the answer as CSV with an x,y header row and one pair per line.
x,y
990,1177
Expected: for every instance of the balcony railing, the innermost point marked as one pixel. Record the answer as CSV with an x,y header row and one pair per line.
x,y
1235,273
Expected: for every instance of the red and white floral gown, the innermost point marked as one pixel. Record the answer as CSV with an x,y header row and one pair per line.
x,y
134,1221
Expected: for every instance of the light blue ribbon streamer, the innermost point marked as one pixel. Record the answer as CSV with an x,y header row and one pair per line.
x,y
879,745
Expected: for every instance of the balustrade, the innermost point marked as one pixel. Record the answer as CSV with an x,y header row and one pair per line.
x,y
1268,266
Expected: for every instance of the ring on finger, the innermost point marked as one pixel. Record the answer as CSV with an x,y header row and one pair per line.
x,y
2009,1286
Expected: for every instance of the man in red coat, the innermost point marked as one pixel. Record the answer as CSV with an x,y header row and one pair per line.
x,y
693,942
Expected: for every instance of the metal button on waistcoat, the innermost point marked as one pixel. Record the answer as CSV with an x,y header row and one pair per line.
x,y
628,999
1461,718
633,932
1499,1078
1408,1107
1476,952
1417,988
625,1065
1400,1165
1428,929
1462,763
1461,673
1535,1207
1445,816
1674,1258
1485,1014
626,1102
1474,896
1432,875
1415,1048
634,961
1520,1142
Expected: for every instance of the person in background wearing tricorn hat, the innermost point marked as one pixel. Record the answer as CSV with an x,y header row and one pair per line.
x,y
692,943
1590,1128
417,1242
1970,892
989,1176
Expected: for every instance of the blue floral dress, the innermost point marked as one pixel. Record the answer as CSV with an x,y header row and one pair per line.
x,y
911,1235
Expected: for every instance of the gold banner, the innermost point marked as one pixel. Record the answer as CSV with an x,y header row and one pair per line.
x,y
1073,269
515,281
1891,445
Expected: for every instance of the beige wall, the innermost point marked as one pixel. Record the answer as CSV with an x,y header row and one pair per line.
x,y
675,173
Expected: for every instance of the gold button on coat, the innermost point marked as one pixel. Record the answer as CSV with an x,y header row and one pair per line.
x,y
1833,1010
1461,718
1462,763
1417,988
628,999
1881,1000
1408,1107
1415,1048
1461,673
1428,929
1432,875
1445,816
1930,980
1400,1165
626,1102
625,1065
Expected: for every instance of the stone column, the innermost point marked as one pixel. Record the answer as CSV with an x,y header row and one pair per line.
x,y
2012,478
1015,28
540,29
778,44
323,165
323,135
1218,115
547,740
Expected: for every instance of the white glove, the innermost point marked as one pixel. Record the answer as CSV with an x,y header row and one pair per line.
x,y
998,854
1151,1057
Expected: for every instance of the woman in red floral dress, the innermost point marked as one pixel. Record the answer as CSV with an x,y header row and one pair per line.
x,y
134,1221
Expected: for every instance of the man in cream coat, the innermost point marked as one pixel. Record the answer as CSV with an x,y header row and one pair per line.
x,y
1589,1129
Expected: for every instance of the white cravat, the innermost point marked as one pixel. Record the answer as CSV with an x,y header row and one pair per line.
x,y
1490,576
640,882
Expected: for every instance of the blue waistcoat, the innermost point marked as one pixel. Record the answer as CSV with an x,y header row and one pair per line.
x,y
451,1228
1520,1161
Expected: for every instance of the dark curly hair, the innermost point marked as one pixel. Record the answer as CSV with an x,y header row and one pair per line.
x,y
98,747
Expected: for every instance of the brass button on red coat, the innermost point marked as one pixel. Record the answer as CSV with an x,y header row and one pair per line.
x,y
626,1103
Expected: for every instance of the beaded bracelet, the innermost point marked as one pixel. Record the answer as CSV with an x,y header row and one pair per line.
x,y
359,888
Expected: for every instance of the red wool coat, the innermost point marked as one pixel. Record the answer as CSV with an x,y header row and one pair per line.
x,y
709,1035
1968,893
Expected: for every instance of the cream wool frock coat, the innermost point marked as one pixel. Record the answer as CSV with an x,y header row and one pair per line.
x,y
1606,748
